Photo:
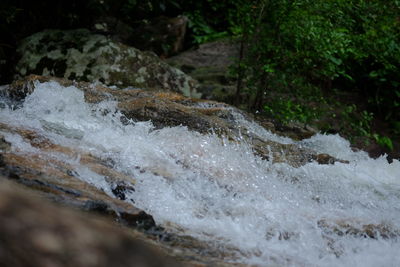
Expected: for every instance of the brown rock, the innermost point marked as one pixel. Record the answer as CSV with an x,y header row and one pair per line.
x,y
327,159
4,145
354,228
34,232
60,182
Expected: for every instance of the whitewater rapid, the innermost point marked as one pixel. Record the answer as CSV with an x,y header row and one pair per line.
x,y
219,191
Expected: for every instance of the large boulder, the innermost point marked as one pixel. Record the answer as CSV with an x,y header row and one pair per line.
x,y
80,55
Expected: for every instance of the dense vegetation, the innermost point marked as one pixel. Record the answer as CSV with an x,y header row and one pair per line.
x,y
331,63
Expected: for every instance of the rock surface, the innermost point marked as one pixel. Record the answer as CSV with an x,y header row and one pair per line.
x,y
209,64
80,55
47,171
35,232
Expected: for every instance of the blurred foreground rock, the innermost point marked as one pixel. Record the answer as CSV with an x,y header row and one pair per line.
x,y
35,232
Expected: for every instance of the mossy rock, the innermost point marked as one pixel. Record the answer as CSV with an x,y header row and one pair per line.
x,y
83,56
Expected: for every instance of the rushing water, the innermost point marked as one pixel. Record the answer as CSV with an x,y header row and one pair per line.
x,y
218,191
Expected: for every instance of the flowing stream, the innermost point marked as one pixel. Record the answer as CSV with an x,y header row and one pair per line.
x,y
220,192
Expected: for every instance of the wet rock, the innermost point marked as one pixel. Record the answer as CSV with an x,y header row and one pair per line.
x,y
327,159
209,64
4,145
167,109
35,232
357,229
120,189
331,230
51,170
289,153
83,56
295,130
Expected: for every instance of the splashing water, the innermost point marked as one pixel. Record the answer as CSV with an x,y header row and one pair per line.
x,y
218,191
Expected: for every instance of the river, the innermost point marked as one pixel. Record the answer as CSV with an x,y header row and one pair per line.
x,y
218,191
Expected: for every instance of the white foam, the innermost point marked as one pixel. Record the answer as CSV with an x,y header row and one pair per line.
x,y
220,192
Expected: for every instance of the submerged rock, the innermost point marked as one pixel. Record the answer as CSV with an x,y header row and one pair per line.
x,y
80,55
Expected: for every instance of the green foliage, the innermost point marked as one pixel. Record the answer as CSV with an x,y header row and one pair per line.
x,y
212,19
296,51
359,123
8,13
354,45
203,32
383,141
285,110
